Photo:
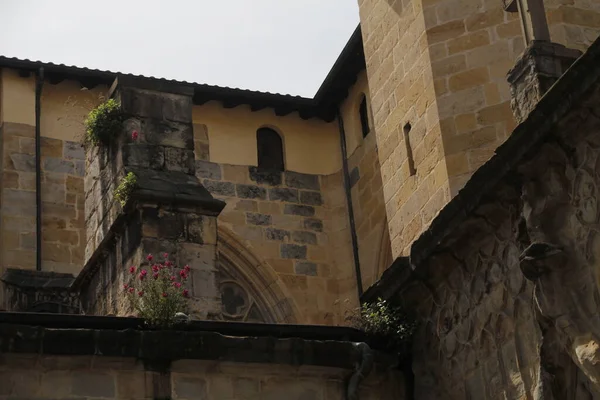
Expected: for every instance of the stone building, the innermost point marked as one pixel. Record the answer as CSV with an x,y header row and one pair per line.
x,y
449,162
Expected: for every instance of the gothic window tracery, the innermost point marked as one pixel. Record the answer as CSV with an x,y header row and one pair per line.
x,y
239,302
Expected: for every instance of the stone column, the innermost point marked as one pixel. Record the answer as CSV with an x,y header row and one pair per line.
x,y
535,72
168,211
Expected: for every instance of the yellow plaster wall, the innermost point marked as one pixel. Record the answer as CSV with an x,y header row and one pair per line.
x,y
350,112
310,146
18,98
65,107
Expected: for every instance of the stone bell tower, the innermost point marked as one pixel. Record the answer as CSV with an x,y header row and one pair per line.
x,y
168,211
441,103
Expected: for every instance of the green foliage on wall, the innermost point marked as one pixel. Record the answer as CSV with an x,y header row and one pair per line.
x,y
125,188
103,123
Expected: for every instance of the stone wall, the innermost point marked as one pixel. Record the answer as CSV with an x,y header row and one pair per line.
x,y
403,92
62,195
186,365
374,248
296,224
503,279
457,98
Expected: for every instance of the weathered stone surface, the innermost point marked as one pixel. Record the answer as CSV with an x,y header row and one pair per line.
x,y
283,194
73,151
313,224
258,219
304,237
52,164
293,251
259,176
190,388
251,192
311,198
301,181
305,268
206,169
23,162
219,188
277,234
293,209
93,385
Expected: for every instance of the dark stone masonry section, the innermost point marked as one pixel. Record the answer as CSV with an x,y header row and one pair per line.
x,y
277,234
304,237
305,211
311,198
302,181
272,178
293,251
283,194
313,224
258,219
305,268
250,192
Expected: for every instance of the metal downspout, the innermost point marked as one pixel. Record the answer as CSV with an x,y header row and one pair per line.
x,y
349,204
39,83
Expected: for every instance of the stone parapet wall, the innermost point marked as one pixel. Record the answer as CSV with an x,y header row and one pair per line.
x,y
132,364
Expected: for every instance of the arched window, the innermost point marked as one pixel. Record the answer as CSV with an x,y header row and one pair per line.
x,y
364,116
270,149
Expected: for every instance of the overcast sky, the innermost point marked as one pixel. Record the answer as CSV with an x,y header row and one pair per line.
x,y
284,46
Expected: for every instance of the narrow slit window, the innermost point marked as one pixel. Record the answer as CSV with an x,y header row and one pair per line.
x,y
364,116
409,153
270,150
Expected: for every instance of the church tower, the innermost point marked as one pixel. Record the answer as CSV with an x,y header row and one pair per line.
x,y
440,99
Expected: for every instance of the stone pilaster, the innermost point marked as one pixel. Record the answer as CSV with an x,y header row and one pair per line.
x,y
168,211
535,72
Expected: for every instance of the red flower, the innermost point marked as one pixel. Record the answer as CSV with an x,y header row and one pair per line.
x,y
172,278
169,264
166,255
134,135
132,270
131,290
183,274
177,284
155,276
155,268
141,293
125,286
164,294
187,268
149,257
185,293
143,274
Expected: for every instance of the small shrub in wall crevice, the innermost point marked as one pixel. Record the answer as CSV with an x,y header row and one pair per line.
x,y
103,123
158,292
388,328
125,188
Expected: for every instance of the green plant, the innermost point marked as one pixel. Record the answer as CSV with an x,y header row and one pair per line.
x,y
158,291
103,123
390,326
125,188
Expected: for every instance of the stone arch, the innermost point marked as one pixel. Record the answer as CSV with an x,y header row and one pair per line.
x,y
240,268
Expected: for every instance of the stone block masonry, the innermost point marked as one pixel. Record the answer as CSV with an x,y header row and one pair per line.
x,y
128,365
63,234
297,224
441,67
168,211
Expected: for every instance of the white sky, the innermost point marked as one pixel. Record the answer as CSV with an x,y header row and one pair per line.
x,y
284,46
